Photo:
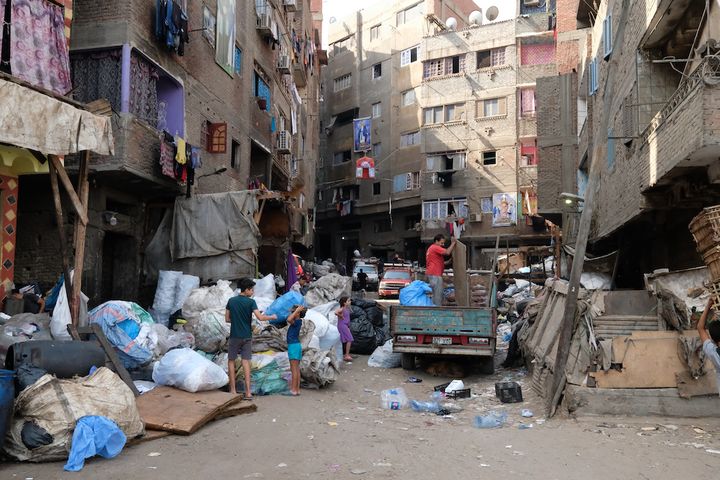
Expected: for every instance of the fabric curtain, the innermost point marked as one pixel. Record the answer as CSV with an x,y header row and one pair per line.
x,y
3,3
143,90
97,75
39,52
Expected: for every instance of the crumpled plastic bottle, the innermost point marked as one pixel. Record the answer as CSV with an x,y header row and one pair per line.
x,y
491,420
419,406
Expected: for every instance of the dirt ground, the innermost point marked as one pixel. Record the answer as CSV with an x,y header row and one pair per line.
x,y
341,432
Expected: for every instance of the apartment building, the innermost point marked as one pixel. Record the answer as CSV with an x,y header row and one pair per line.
x,y
236,82
644,103
374,72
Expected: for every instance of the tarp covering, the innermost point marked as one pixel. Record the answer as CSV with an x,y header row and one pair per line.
x,y
30,119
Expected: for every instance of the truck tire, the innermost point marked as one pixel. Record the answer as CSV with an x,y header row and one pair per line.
x,y
487,366
408,361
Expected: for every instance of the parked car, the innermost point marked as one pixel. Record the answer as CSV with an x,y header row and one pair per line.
x,y
372,276
393,280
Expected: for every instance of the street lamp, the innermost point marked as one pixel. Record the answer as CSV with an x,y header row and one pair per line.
x,y
570,198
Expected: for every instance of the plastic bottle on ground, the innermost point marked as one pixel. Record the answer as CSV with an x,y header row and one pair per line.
x,y
419,406
393,399
491,420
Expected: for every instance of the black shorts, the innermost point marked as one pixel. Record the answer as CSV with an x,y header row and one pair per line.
x,y
242,346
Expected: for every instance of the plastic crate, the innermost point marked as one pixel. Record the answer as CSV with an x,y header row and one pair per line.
x,y
711,258
508,392
705,228
455,394
441,388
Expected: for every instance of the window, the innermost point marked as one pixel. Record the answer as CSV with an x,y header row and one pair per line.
x,y
342,83
438,162
592,76
528,155
444,66
342,157
411,221
345,45
235,154
491,107
537,51
377,70
432,115
262,90
490,158
441,209
382,226
410,55
408,139
238,61
407,97
607,36
376,110
527,101
376,150
440,114
405,182
374,32
454,113
490,58
409,14
376,188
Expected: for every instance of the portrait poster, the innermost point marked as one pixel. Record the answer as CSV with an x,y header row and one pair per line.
x,y
504,209
361,134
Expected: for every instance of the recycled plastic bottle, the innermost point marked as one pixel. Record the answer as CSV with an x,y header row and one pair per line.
x,y
491,420
393,399
419,406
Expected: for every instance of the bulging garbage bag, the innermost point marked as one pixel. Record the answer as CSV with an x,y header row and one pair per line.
x,y
265,287
282,306
188,370
416,295
383,357
321,322
210,330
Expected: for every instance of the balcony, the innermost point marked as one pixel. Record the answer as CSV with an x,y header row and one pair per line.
x,y
299,73
528,176
685,133
527,126
260,122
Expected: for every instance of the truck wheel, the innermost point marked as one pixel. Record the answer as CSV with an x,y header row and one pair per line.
x,y
487,366
408,361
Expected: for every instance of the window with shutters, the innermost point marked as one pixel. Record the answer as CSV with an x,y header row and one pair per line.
x,y
342,83
405,182
494,57
374,32
442,208
607,36
409,139
439,162
409,55
376,110
407,97
491,107
444,66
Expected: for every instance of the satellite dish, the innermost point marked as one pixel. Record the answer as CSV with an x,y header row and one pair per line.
x,y
476,17
492,13
451,23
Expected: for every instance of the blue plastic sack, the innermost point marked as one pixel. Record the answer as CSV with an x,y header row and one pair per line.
x,y
131,327
416,295
283,305
94,435
109,315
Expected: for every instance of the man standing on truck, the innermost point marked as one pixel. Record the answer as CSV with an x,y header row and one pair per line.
x,y
435,264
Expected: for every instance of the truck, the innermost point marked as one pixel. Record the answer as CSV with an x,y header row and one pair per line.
x,y
395,277
372,275
467,331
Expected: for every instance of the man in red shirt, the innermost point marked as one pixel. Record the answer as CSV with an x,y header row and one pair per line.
x,y
435,264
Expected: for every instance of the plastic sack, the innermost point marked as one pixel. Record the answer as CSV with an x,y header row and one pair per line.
x,y
330,339
314,342
327,310
94,435
165,295
365,340
208,298
265,287
166,339
108,316
22,328
188,370
383,357
268,380
61,313
321,322
393,399
491,420
210,330
454,386
416,295
283,305
185,285
318,367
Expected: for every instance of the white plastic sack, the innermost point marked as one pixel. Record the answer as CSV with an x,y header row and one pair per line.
x,y
188,370
321,322
263,303
314,342
455,385
210,331
383,357
328,311
330,339
185,285
596,281
265,287
207,298
165,295
61,314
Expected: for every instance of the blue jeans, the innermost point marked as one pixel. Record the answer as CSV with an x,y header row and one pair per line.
x,y
436,283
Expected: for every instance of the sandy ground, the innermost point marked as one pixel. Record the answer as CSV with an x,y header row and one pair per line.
x,y
341,432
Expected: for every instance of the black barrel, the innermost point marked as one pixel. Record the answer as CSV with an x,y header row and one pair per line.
x,y
62,359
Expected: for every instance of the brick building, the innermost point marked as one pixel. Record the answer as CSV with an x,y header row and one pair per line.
x,y
656,161
242,85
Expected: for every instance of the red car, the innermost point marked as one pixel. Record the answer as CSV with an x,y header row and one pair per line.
x,y
393,280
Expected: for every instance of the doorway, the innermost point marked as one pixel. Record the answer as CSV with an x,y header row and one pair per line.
x,y
119,272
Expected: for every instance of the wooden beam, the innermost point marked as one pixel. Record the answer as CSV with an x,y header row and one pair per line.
x,y
61,226
597,160
65,180
80,233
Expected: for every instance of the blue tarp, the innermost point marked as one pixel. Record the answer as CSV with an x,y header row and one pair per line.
x,y
416,295
94,435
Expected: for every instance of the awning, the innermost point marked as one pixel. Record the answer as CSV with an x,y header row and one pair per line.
x,y
261,146
31,119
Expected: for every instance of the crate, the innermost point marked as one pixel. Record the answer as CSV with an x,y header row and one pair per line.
x,y
714,289
705,228
441,388
712,260
508,392
464,393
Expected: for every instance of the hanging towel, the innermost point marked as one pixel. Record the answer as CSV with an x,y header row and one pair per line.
x,y
181,157
167,155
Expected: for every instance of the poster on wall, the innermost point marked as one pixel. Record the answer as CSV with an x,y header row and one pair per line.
x,y
208,26
225,31
504,209
361,134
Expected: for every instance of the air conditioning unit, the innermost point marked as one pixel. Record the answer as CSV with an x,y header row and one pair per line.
x,y
284,141
290,5
264,24
531,3
284,63
476,217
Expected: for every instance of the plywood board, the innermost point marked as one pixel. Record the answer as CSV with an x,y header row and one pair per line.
x,y
236,409
181,412
460,276
690,387
149,435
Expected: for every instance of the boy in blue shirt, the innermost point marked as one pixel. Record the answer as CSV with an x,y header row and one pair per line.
x,y
238,313
294,321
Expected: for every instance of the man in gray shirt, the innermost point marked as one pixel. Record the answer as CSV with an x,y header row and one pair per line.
x,y
710,338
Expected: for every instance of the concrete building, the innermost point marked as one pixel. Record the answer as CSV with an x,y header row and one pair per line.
x,y
453,124
375,71
240,82
648,131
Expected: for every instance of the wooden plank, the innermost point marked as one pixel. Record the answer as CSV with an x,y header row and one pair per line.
x,y
60,224
80,231
177,411
65,180
691,387
149,436
114,359
460,277
237,409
